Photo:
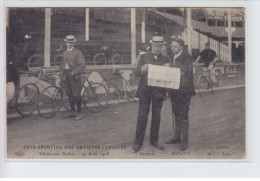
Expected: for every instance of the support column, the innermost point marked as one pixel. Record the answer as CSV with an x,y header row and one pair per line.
x,y
87,25
133,36
47,38
229,36
7,18
143,25
189,31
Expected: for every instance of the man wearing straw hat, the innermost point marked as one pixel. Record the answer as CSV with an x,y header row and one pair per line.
x,y
72,67
149,95
180,99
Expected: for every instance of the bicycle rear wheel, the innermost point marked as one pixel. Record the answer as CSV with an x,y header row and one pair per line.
x,y
204,86
25,99
130,91
35,61
50,102
100,59
215,83
94,97
113,96
117,59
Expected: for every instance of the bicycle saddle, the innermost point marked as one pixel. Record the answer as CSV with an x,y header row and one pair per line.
x,y
105,48
116,72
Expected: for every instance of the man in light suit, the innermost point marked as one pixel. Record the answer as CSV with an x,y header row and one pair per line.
x,y
180,99
72,67
149,95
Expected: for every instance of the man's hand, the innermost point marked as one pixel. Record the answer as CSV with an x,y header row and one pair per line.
x,y
72,73
144,67
167,65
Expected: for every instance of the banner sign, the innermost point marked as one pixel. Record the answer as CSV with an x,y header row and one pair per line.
x,y
161,76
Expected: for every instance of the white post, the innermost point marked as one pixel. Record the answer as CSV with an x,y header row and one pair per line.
x,y
143,25
7,18
47,38
229,36
87,25
189,30
133,36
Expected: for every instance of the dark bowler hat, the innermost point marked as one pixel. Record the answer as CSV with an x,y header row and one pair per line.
x,y
158,40
70,38
176,39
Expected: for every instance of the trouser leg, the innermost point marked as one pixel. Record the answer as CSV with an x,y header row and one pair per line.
x,y
78,103
176,120
156,119
177,129
69,92
143,111
184,134
180,108
76,91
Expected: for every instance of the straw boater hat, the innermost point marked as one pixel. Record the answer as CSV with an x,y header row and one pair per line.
x,y
157,40
179,40
70,38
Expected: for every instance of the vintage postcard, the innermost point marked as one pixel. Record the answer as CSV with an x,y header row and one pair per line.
x,y
77,88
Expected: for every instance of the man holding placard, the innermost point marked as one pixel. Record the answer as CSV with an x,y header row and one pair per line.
x,y
180,98
149,95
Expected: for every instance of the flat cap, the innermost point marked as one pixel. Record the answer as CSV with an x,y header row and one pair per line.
x,y
179,40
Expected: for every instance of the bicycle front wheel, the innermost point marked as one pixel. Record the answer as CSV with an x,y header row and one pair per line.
x,y
25,99
204,86
130,91
100,59
113,96
95,97
215,83
50,102
35,61
117,59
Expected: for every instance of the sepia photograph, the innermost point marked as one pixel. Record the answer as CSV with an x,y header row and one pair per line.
x,y
126,83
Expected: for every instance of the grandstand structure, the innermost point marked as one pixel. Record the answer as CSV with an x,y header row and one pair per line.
x,y
42,30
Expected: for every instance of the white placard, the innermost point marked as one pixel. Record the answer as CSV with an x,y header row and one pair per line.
x,y
161,76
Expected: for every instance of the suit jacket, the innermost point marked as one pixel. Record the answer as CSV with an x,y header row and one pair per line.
x,y
143,90
75,60
184,62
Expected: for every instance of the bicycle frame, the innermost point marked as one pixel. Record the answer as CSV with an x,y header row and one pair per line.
x,y
124,81
91,88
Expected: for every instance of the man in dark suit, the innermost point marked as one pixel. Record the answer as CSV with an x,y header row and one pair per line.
x,y
180,99
72,67
149,95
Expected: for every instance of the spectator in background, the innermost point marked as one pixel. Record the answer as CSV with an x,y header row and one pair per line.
x,y
145,48
207,56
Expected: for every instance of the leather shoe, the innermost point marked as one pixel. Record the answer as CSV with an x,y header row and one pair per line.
x,y
173,141
183,146
69,114
78,117
136,148
156,145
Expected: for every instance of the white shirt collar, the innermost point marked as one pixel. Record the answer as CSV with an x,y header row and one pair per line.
x,y
69,50
177,55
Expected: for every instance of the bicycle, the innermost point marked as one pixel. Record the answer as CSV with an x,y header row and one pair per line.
x,y
26,98
207,82
126,89
106,56
36,60
94,96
